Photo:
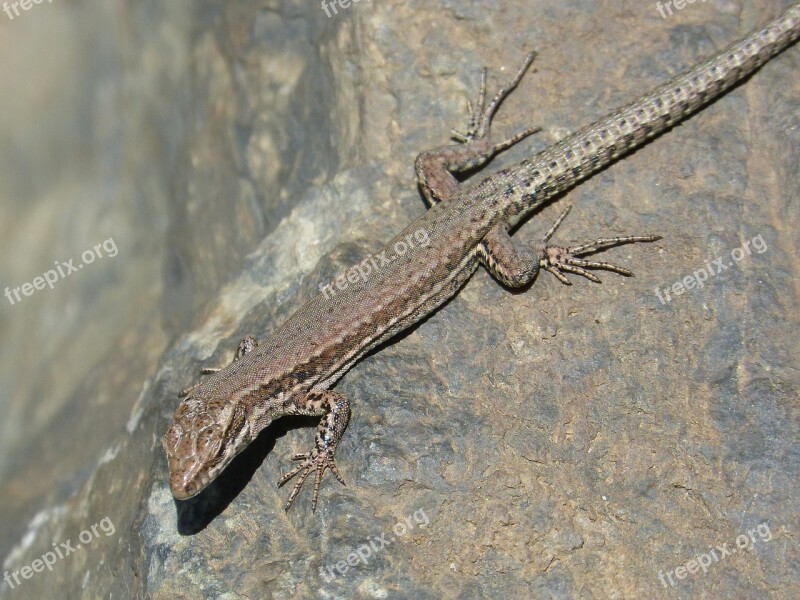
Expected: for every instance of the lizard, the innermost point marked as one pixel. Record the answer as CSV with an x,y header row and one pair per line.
x,y
465,226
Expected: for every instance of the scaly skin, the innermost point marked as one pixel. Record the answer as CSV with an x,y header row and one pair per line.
x,y
467,225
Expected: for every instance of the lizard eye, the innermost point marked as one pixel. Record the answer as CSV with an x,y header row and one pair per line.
x,y
172,438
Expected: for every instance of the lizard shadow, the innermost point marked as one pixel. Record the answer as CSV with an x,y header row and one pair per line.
x,y
196,513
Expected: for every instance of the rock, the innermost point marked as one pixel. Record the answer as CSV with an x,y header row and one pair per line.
x,y
589,441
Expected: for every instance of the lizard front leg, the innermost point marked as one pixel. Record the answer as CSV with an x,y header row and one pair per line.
x,y
247,344
336,411
515,265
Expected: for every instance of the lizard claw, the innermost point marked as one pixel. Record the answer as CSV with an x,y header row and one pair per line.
x,y
316,460
558,260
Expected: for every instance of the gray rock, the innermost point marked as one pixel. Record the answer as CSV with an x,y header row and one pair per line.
x,y
587,441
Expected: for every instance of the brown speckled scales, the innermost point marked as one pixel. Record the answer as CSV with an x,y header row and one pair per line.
x,y
292,371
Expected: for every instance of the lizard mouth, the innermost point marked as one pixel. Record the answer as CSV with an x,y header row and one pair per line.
x,y
183,486
182,490
190,476
185,481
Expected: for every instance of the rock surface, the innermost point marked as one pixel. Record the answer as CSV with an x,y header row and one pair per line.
x,y
587,441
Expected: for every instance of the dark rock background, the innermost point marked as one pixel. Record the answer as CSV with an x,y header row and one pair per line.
x,y
560,442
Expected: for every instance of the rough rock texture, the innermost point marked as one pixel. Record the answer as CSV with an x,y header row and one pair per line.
x,y
586,441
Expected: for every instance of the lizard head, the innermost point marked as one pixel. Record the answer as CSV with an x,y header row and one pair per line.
x,y
203,438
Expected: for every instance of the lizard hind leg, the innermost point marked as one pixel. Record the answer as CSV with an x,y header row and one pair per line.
x,y
515,265
335,409
558,260
481,115
512,264
435,168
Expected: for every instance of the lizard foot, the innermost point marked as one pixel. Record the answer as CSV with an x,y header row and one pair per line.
x,y
481,115
558,260
316,460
